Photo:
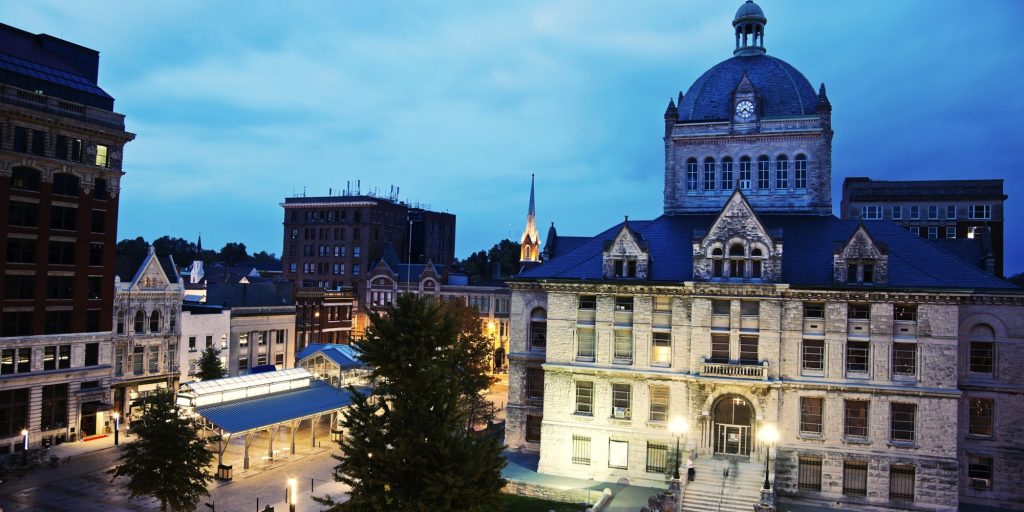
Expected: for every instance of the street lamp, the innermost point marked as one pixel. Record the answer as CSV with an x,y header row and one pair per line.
x,y
768,435
24,451
678,427
290,493
117,427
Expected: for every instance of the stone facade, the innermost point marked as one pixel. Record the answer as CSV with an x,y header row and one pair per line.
x,y
861,260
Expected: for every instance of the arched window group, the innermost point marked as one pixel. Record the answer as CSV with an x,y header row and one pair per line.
x,y
538,328
25,178
737,263
140,321
721,176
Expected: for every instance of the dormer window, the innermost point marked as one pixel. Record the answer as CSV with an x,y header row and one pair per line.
x,y
860,272
736,260
717,262
625,268
755,263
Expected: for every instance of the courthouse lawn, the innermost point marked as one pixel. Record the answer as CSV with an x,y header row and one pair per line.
x,y
514,503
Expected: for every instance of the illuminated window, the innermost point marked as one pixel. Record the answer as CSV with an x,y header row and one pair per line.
x,y
584,397
102,159
661,349
659,403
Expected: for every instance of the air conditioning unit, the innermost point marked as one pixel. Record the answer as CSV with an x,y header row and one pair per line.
x,y
980,483
620,412
744,184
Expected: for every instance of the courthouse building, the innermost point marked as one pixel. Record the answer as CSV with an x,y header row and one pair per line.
x,y
888,366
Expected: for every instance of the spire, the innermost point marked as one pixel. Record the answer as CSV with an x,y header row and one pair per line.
x,y
749,28
823,104
671,112
199,247
533,211
529,244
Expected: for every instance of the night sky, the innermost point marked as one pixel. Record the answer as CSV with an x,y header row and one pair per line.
x,y
240,104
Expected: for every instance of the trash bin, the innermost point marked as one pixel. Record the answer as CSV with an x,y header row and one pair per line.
x,y
691,473
336,435
223,472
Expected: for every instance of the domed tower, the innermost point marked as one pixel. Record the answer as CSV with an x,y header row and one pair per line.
x,y
752,122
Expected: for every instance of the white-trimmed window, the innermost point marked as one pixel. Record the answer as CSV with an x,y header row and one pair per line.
x,y
916,230
980,211
621,400
745,181
951,212
933,232
950,232
897,213
623,346
915,212
584,397
800,172
764,172
727,183
691,174
659,404
871,212
782,172
709,173
585,344
661,349
933,212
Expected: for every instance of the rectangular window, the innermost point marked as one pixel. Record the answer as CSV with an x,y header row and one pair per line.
x,y
916,230
191,343
138,356
54,407
869,273
154,359
618,454
50,358
23,214
951,212
950,232
933,232
727,183
981,356
764,173
897,213
720,307
585,343
584,397
859,311
745,173
17,323
92,354
659,403
623,350
933,212
62,217
905,312
871,212
858,356
915,212
119,362
748,350
750,308
243,339
588,302
661,349
657,457
979,470
720,348
58,287
533,424
94,287
623,303
856,418
621,396
813,355
662,304
709,175
38,142
581,450
64,357
24,361
980,211
809,474
19,287
903,417
811,415
855,478
102,157
57,322
901,482
13,411
904,359
980,417
800,173
62,253
21,139
691,175
814,310
243,364
781,173
535,383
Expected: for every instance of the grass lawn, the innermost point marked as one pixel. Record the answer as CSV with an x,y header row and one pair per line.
x,y
514,503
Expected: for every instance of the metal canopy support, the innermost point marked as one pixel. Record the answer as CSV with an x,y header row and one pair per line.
x,y
270,442
294,425
222,444
312,429
249,438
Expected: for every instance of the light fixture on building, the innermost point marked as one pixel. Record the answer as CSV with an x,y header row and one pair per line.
x,y
768,435
678,427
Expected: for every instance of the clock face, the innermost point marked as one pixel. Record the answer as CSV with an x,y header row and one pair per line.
x,y
744,109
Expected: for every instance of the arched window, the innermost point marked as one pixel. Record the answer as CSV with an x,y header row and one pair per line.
x,y
727,183
140,321
736,263
119,317
764,172
709,173
755,263
691,174
717,263
25,178
65,184
800,172
538,328
745,173
154,322
782,172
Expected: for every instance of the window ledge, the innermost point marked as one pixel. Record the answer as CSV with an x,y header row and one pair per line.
x,y
655,424
661,365
810,436
902,444
625,362
620,421
979,437
583,416
581,359
857,375
856,440
812,373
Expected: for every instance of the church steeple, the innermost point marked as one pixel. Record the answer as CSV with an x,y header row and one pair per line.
x,y
529,244
749,25
197,264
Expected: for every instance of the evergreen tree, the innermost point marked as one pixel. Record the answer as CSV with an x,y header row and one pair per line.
x,y
410,445
209,365
168,460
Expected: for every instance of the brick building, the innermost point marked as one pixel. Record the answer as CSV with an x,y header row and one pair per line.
x,y
883,361
60,169
966,215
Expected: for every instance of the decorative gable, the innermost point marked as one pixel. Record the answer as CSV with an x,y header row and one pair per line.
x,y
860,260
150,274
626,256
737,247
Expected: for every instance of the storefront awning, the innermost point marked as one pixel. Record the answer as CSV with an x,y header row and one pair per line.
x,y
91,407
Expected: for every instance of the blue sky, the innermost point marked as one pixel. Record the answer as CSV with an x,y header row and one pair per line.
x,y
240,104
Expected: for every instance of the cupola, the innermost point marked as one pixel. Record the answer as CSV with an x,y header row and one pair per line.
x,y
749,25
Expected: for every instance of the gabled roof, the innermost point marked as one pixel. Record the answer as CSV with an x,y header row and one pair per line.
x,y
808,260
129,267
345,356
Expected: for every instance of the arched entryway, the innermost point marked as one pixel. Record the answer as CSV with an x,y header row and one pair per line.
x,y
732,420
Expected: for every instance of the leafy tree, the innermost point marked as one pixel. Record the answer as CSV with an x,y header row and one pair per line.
x,y
209,365
233,253
168,460
183,251
477,266
410,444
135,248
265,258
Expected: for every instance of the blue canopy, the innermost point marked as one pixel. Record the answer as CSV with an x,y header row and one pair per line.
x,y
268,410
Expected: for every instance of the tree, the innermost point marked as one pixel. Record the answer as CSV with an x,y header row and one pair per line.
x,y
168,460
233,253
209,365
134,248
183,251
478,266
410,445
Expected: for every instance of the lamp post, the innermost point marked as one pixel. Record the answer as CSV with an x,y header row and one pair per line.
x,y
678,427
768,435
317,327
290,493
24,449
117,427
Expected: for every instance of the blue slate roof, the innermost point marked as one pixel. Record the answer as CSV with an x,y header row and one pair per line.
x,y
344,356
783,91
809,242
250,414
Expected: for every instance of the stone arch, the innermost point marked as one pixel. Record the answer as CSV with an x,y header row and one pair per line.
x,y
974,320
719,394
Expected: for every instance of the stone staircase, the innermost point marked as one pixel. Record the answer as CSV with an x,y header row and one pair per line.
x,y
711,492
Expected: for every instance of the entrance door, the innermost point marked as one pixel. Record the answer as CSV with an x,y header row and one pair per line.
x,y
88,426
732,415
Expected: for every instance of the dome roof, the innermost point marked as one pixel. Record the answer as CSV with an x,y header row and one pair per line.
x,y
749,8
782,90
